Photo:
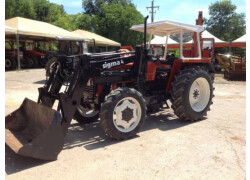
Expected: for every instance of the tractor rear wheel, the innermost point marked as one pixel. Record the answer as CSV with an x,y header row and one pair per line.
x,y
123,113
32,62
192,93
10,63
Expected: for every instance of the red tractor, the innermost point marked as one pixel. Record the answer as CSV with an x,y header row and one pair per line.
x,y
11,57
118,89
34,58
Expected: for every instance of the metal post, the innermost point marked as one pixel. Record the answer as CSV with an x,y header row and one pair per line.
x,y
149,42
166,46
230,47
106,48
181,44
199,44
18,52
152,13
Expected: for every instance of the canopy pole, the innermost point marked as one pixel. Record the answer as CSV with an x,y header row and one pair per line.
x,y
149,43
230,47
166,46
106,48
181,44
199,44
18,52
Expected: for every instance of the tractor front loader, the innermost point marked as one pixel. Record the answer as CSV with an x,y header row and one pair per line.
x,y
119,88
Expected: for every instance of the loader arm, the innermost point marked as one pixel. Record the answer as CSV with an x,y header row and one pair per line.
x,y
35,129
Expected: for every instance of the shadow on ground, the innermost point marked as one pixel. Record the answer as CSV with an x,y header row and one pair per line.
x,y
40,82
15,163
90,136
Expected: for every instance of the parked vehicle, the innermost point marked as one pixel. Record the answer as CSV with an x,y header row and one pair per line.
x,y
65,47
35,58
11,61
117,89
234,66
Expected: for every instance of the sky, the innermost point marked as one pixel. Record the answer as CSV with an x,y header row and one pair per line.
x,y
181,11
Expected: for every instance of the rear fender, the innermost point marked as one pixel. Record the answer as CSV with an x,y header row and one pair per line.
x,y
175,70
179,64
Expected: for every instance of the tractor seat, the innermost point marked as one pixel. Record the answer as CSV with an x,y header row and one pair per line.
x,y
169,59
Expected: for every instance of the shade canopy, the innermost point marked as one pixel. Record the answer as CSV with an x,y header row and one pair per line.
x,y
28,27
240,42
217,42
10,30
242,39
158,40
99,40
161,28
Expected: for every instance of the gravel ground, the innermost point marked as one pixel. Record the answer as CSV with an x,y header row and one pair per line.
x,y
166,148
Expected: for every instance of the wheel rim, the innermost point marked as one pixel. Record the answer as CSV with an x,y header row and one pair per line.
x,y
199,94
127,114
7,63
23,63
87,112
30,62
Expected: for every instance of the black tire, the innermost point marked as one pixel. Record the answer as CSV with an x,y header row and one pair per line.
x,y
42,62
83,118
32,62
10,63
24,63
180,93
49,65
112,101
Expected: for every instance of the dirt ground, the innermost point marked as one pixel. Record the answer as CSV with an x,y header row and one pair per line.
x,y
166,148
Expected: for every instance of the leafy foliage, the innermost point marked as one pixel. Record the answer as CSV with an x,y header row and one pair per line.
x,y
113,19
41,10
23,8
224,22
93,7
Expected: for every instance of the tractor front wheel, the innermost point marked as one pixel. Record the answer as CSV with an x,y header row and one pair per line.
x,y
192,93
49,65
123,113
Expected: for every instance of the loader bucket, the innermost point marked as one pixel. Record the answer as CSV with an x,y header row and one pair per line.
x,y
34,130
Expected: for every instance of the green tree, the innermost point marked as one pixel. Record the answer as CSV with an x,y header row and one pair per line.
x,y
114,18
93,7
65,22
41,10
21,8
83,21
10,8
224,22
55,12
